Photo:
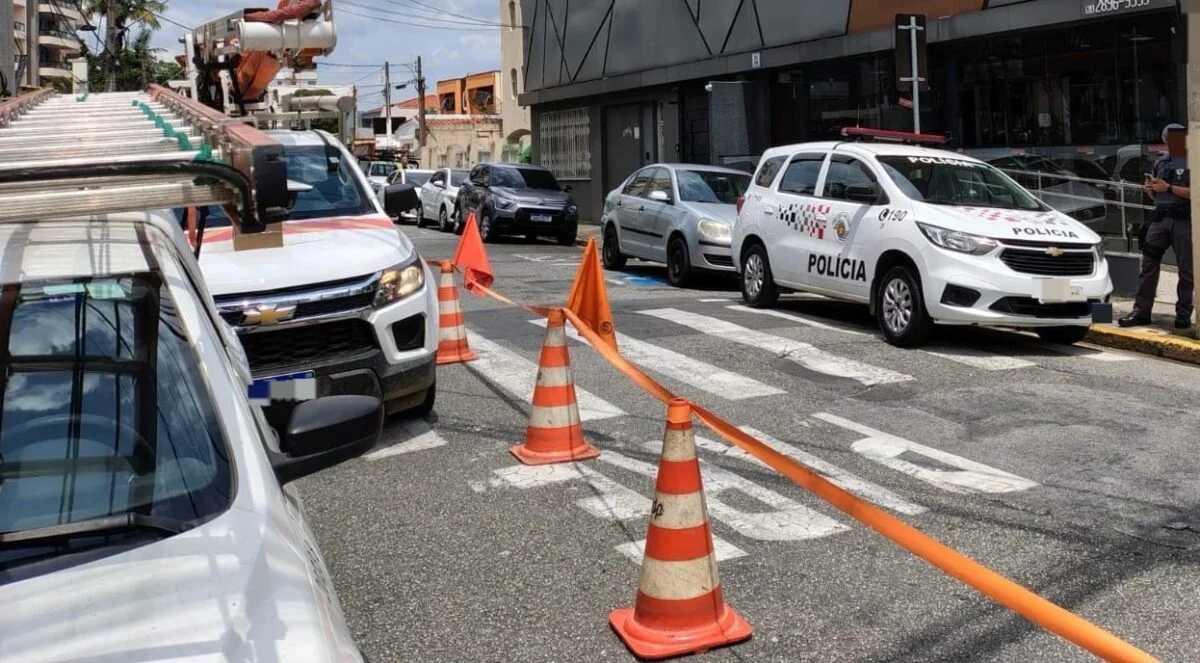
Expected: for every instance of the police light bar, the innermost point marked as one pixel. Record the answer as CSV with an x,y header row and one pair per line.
x,y
892,136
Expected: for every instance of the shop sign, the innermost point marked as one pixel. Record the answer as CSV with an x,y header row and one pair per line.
x,y
1111,7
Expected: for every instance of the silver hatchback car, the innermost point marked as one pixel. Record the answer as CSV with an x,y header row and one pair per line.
x,y
678,214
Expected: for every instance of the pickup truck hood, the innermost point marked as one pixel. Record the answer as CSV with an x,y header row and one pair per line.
x,y
234,589
1050,227
313,252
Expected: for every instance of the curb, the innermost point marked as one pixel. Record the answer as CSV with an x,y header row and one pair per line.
x,y
1167,346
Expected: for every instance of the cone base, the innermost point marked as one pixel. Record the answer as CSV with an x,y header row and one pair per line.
x,y
654,644
456,358
584,451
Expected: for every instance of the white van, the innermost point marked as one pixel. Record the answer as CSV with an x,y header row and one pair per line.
x,y
146,510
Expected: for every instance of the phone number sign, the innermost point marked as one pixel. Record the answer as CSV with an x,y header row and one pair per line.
x,y
1108,7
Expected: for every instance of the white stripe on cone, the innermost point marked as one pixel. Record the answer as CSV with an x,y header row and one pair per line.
x,y
679,581
680,511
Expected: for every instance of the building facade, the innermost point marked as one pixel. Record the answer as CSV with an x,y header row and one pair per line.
x,y
1074,89
454,141
514,116
46,39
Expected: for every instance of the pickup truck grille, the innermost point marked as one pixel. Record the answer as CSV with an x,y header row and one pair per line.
x,y
1041,263
306,345
344,296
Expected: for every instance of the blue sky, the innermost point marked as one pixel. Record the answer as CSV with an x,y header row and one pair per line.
x,y
454,48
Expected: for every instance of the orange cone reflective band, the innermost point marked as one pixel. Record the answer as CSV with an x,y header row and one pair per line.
x,y
679,608
589,298
554,434
452,333
472,259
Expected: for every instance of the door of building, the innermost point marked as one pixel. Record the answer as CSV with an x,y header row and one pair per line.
x,y
623,143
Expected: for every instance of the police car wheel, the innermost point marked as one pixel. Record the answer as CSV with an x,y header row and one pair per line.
x,y
1067,335
758,286
901,310
679,264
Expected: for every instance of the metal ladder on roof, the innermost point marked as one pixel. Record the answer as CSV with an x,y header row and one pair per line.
x,y
77,156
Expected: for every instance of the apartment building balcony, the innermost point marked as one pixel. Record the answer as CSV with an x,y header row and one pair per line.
x,y
59,39
19,30
54,70
68,9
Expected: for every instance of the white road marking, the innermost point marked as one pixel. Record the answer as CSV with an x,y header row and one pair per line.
x,y
517,376
971,477
846,480
723,550
979,359
420,437
614,282
525,477
1088,352
614,502
796,318
548,259
713,300
685,369
787,520
804,354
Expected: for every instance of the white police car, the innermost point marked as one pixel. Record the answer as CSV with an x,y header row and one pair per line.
x,y
922,236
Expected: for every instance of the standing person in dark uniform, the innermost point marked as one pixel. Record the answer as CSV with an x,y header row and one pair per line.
x,y
1169,182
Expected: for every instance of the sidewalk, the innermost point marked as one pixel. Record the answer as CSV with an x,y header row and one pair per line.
x,y
1159,339
587,229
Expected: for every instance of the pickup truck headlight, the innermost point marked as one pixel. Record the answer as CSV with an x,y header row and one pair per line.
x,y
399,282
714,229
1100,250
954,240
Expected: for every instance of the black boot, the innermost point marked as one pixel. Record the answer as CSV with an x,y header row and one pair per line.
x,y
1134,320
1183,322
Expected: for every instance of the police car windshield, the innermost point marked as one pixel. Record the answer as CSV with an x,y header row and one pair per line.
x,y
949,181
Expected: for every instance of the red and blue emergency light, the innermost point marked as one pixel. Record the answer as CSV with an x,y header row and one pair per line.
x,y
892,136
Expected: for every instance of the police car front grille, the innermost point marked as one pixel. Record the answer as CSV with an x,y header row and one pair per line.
x,y
1041,263
306,345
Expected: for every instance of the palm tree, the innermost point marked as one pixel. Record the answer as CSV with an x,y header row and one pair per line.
x,y
119,16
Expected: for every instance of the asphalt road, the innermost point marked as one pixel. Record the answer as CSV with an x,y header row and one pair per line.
x,y
1072,472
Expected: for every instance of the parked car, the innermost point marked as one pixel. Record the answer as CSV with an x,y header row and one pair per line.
x,y
921,236
439,196
678,214
148,511
377,173
518,199
1060,185
401,176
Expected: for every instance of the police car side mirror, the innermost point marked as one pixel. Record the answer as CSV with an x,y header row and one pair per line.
x,y
863,193
325,432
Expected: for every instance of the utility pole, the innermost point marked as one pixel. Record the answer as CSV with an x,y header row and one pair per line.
x,y
387,102
1193,134
110,44
420,109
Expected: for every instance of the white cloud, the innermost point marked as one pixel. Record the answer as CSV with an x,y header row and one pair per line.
x,y
446,53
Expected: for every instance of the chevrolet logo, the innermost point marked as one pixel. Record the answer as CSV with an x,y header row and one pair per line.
x,y
267,314
1054,251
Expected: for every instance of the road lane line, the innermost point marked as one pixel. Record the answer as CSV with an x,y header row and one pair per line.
x,y
886,449
420,438
980,359
517,375
796,318
804,354
693,372
787,520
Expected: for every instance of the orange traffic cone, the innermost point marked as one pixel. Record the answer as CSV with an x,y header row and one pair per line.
x,y
679,608
452,334
554,434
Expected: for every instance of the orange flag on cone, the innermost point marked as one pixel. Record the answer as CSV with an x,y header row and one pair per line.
x,y
472,259
589,299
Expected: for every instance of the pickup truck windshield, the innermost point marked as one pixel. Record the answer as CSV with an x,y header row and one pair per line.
x,y
335,191
105,418
949,181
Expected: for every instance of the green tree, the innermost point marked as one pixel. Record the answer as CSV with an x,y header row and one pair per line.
x,y
120,17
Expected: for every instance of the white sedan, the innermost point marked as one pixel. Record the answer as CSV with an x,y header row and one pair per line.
x,y
438,196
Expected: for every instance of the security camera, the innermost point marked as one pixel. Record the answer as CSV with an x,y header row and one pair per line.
x,y
708,87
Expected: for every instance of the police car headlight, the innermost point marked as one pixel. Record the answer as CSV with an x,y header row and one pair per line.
x,y
399,282
714,229
954,240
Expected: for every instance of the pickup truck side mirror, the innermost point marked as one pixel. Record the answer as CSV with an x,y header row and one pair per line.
x,y
325,432
864,193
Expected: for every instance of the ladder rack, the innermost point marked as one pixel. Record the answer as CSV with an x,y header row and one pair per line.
x,y
69,156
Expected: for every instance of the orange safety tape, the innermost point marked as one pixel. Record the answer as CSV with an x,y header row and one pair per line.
x,y
1002,590
536,310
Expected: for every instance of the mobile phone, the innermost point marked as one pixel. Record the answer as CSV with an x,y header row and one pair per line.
x,y
1148,176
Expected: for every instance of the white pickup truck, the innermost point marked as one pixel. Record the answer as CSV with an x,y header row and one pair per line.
x,y
346,300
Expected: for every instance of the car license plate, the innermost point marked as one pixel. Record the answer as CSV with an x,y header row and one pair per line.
x,y
1052,290
541,218
300,386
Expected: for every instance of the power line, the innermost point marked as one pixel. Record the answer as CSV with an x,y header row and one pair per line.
x,y
459,27
440,14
